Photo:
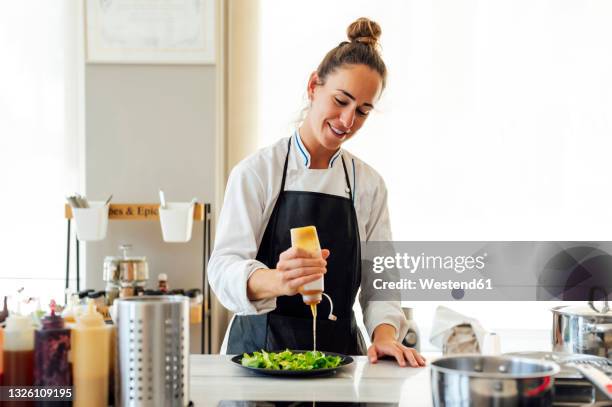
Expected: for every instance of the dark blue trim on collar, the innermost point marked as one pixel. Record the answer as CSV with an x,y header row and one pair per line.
x,y
299,144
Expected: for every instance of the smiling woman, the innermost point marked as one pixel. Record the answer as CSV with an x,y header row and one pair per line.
x,y
309,179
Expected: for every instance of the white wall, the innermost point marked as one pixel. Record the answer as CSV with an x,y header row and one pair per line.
x,y
39,143
149,127
495,124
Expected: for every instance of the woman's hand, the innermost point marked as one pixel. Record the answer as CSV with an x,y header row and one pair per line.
x,y
385,344
295,268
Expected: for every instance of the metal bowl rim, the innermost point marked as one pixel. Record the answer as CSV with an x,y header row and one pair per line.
x,y
554,368
154,299
567,310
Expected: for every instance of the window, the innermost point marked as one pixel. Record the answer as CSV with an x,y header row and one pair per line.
x,y
39,143
496,113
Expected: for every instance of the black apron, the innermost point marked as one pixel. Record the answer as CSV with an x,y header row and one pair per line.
x,y
290,324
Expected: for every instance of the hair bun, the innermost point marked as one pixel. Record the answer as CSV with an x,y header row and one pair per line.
x,y
364,30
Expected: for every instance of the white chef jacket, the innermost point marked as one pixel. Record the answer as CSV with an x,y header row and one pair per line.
x,y
252,189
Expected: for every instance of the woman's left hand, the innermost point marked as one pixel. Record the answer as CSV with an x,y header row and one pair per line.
x,y
385,344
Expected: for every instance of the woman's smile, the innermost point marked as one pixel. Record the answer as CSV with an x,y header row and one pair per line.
x,y
337,131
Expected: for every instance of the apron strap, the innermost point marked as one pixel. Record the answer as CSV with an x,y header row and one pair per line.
x,y
348,183
282,188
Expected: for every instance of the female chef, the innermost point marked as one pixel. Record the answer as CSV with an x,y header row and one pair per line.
x,y
309,179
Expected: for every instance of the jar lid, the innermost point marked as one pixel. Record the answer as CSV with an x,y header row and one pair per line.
x,y
85,293
193,293
96,294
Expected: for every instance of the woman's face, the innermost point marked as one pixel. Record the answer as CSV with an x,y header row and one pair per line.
x,y
341,105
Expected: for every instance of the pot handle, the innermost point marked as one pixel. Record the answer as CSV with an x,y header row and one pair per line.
x,y
592,292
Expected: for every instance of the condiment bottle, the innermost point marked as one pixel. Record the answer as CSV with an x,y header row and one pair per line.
x,y
18,351
4,313
18,355
1,352
112,364
195,305
162,282
99,299
90,359
306,238
51,348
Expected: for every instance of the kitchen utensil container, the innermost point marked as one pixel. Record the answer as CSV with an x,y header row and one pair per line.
x,y
153,351
176,221
474,380
91,223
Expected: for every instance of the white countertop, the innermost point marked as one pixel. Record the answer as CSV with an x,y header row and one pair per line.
x,y
215,378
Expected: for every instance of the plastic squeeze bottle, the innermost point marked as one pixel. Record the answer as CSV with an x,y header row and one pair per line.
x,y
51,348
18,351
90,359
306,238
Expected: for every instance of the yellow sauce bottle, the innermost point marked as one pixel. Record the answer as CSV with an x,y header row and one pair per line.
x,y
90,359
306,238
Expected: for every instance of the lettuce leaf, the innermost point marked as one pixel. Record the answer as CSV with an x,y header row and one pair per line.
x,y
287,360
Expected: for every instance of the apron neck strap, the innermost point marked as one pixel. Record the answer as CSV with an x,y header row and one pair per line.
x,y
282,188
348,183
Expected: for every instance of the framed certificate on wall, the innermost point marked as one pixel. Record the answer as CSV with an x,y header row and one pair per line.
x,y
150,31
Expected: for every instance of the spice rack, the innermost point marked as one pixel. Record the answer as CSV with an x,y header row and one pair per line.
x,y
150,212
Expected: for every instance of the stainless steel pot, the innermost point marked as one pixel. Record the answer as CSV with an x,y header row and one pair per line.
x,y
475,380
583,329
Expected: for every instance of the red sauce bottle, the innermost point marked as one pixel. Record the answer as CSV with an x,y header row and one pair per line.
x,y
51,348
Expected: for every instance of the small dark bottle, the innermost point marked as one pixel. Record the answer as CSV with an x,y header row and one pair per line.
x,y
51,348
4,313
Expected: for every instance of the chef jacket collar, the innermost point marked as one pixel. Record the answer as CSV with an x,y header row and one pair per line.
x,y
304,155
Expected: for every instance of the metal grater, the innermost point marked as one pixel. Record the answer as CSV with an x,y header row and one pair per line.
x,y
153,351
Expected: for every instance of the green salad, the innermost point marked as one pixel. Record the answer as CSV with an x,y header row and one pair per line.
x,y
288,360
